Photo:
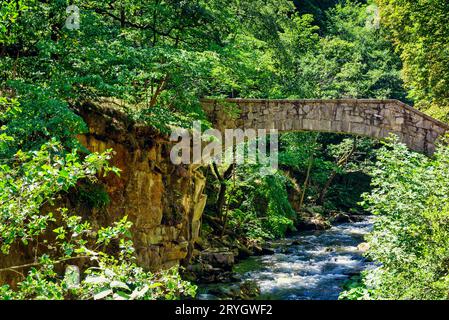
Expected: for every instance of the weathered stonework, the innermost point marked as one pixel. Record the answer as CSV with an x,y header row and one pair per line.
x,y
164,201
365,117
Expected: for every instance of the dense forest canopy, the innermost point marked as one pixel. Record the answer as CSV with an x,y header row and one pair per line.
x,y
423,47
155,60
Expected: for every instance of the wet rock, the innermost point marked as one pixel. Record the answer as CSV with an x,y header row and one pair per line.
x,y
214,275
363,247
268,251
313,223
340,217
220,291
288,250
244,252
352,273
358,217
295,243
199,272
236,277
222,276
224,259
261,251
257,250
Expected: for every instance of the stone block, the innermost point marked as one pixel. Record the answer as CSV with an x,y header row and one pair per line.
x,y
298,124
325,125
375,131
336,126
356,119
358,128
288,124
310,124
400,120
339,114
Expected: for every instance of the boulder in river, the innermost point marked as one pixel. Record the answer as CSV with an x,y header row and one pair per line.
x,y
313,223
363,247
244,252
340,217
262,251
267,251
222,259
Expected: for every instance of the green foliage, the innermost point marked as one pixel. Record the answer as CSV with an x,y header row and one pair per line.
x,y
331,157
94,195
355,289
38,119
9,13
352,60
258,205
420,34
32,179
109,277
157,58
409,243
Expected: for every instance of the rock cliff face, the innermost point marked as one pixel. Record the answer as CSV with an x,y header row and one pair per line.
x,y
165,202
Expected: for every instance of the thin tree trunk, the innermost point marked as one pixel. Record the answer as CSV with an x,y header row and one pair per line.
x,y
223,187
225,223
326,187
306,181
341,163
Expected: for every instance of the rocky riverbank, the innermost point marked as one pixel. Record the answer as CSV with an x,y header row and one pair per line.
x,y
215,257
311,264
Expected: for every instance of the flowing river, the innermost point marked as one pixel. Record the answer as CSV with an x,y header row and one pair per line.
x,y
310,265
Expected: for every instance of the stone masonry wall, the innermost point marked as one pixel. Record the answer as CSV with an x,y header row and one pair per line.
x,y
365,117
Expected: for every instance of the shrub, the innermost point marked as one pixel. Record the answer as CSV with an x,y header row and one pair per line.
x,y
410,240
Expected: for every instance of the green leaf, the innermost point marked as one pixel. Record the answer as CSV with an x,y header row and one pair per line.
x,y
96,280
120,295
118,284
136,294
103,294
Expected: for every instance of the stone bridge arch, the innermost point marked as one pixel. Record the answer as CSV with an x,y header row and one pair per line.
x,y
365,117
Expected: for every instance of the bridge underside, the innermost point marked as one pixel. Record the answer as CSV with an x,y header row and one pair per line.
x,y
366,117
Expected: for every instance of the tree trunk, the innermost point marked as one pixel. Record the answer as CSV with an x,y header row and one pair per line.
x,y
223,186
340,164
306,182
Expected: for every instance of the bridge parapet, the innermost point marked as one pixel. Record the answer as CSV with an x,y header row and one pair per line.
x,y
365,117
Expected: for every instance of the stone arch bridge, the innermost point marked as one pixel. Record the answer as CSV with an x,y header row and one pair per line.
x,y
365,117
